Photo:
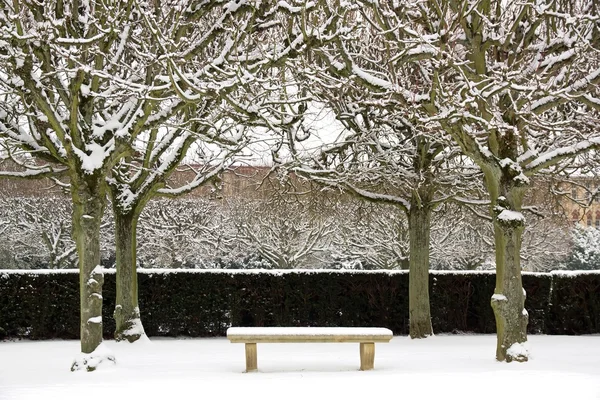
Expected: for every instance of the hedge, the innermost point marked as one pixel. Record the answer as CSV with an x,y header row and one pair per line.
x,y
200,303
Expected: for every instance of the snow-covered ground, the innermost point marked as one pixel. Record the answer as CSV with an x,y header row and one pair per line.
x,y
442,367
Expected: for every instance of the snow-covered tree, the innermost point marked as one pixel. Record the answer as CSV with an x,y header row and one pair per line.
x,y
37,231
372,235
586,249
85,83
461,239
219,58
74,99
283,231
145,174
180,232
82,82
513,83
464,240
546,244
383,156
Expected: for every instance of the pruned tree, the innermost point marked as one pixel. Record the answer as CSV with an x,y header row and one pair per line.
x,y
137,179
384,160
219,62
179,232
546,244
384,155
283,232
72,105
38,230
85,83
461,239
82,83
513,83
374,235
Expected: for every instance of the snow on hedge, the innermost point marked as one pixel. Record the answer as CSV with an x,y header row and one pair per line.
x,y
278,272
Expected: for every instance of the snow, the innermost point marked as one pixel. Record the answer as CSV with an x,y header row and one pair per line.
x,y
81,41
91,282
573,274
371,79
102,356
442,367
550,61
94,160
136,327
95,320
290,8
562,152
499,297
234,5
309,331
509,215
159,271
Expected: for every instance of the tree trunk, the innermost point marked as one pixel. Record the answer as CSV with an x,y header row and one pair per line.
x,y
89,199
419,225
127,312
508,301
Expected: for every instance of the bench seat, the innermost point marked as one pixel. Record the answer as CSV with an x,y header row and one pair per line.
x,y
367,337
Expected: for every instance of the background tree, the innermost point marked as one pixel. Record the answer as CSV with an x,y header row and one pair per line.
x,y
183,232
586,245
372,235
284,231
37,231
461,239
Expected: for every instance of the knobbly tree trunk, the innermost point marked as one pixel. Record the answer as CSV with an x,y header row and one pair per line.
x,y
419,225
89,199
127,312
508,301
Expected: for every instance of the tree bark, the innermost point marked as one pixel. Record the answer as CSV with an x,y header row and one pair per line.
x,y
89,199
508,301
419,225
127,312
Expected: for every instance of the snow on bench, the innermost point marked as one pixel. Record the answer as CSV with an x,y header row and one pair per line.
x,y
367,337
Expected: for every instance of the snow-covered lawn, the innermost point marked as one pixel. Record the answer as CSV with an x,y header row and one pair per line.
x,y
442,367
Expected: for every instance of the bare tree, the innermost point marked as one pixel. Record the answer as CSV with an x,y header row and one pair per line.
x,y
220,60
284,232
63,85
513,83
184,231
384,156
461,239
37,230
374,235
83,82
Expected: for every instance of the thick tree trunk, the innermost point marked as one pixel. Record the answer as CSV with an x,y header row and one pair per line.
x,y
127,313
89,199
419,224
508,301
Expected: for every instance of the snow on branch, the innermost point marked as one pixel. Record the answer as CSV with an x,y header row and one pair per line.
x,y
556,155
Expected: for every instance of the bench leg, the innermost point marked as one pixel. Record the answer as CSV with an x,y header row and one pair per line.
x,y
251,358
367,356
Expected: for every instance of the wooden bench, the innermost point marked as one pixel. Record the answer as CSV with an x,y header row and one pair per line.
x,y
367,337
